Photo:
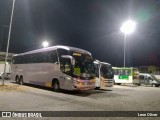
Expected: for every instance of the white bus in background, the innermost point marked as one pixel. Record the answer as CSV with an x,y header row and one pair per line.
x,y
104,74
58,67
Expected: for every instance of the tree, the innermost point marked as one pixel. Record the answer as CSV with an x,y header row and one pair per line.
x,y
151,69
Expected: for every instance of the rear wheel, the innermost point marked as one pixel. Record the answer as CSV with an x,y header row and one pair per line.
x,y
55,85
21,81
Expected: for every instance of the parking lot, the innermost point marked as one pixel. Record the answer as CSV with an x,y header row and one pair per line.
x,y
119,98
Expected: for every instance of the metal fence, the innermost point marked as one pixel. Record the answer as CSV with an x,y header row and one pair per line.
x,y
149,69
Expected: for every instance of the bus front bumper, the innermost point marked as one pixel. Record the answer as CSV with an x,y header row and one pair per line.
x,y
84,87
107,83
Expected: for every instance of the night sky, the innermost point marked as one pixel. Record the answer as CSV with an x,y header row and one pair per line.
x,y
93,25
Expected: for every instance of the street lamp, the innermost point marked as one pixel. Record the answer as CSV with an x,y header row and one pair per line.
x,y
127,28
9,34
45,44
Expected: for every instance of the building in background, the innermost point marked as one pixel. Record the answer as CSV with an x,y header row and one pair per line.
x,y
2,64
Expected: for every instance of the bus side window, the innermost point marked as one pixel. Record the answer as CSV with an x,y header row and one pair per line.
x,y
146,77
40,57
28,58
17,60
53,57
96,70
45,56
62,52
115,72
141,77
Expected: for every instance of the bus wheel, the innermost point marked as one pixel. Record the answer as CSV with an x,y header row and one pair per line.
x,y
56,85
17,79
97,88
21,80
118,83
154,85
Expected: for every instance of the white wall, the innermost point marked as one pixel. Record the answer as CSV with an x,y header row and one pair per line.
x,y
7,68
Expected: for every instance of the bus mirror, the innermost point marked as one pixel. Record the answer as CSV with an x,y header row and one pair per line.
x,y
57,63
69,57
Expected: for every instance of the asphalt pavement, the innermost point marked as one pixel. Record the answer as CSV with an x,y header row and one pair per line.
x,y
14,97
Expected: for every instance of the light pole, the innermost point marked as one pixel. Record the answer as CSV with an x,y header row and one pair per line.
x,y
9,34
45,44
127,28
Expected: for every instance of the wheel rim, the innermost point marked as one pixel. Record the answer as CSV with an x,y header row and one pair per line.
x,y
56,86
21,81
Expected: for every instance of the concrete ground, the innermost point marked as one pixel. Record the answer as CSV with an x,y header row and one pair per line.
x,y
14,97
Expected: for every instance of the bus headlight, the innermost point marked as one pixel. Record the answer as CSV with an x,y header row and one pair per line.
x,y
78,82
93,81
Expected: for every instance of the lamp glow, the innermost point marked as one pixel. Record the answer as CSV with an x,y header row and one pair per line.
x,y
45,44
128,27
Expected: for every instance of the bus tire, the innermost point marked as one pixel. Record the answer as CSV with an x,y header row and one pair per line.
x,y
118,83
55,85
97,88
17,79
154,85
21,80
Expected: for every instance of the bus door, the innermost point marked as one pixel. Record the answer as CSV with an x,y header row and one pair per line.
x,y
65,78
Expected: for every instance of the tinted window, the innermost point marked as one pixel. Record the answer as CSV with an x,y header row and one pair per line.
x,y
62,52
32,58
53,56
96,70
116,72
40,57
141,77
17,60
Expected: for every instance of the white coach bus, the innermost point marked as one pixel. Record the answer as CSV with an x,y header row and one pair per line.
x,y
104,74
58,67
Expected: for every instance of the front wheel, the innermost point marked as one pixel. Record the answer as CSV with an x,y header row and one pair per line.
x,y
56,86
154,85
17,79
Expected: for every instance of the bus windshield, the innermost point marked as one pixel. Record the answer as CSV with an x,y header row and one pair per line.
x,y
84,67
106,71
